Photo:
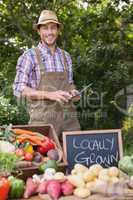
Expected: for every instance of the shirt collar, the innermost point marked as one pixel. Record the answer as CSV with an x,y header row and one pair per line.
x,y
45,49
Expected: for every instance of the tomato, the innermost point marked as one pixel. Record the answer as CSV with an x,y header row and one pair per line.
x,y
19,152
4,188
28,156
41,149
47,144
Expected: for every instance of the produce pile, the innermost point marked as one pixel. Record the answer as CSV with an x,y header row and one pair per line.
x,y
23,149
82,183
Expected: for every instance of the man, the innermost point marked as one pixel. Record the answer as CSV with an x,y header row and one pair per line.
x,y
44,76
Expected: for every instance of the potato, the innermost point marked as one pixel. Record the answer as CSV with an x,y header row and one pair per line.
x,y
90,184
99,186
88,176
95,169
80,168
76,180
113,171
114,179
103,172
82,192
103,175
104,178
59,176
73,172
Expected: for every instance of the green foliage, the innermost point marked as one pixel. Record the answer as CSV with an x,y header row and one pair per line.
x,y
127,130
11,113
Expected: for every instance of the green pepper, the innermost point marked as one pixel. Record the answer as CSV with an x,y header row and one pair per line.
x,y
17,187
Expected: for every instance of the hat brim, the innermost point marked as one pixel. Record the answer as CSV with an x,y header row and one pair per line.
x,y
35,26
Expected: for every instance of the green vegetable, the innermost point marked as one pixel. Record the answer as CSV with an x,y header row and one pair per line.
x,y
7,133
8,163
48,164
17,187
126,165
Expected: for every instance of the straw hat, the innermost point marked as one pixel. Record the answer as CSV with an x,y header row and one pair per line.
x,y
47,16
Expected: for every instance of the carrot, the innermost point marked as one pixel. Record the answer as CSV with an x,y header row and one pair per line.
x,y
18,131
34,139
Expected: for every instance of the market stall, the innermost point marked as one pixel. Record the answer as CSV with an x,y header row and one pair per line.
x,y
34,167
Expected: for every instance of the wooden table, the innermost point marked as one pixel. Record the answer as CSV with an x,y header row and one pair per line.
x,y
92,197
32,198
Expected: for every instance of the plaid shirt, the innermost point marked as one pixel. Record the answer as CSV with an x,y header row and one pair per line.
x,y
27,69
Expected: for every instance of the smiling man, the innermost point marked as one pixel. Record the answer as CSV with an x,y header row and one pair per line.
x,y
44,76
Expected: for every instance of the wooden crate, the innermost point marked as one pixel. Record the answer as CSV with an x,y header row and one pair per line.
x,y
46,130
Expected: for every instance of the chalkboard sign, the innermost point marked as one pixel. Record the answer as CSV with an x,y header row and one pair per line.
x,y
91,147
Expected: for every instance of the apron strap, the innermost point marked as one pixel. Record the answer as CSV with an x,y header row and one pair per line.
x,y
65,61
41,65
38,56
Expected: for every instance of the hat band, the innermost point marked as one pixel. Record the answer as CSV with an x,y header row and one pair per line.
x,y
43,20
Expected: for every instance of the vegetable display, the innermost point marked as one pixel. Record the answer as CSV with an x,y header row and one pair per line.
x,y
25,149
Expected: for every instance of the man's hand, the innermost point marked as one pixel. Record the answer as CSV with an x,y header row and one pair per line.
x,y
73,93
59,96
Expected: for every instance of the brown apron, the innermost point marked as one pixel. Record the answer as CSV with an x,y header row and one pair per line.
x,y
62,116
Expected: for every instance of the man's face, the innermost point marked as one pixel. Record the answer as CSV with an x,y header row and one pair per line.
x,y
49,33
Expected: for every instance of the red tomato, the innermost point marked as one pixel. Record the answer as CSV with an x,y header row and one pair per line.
x,y
4,188
19,152
28,156
47,144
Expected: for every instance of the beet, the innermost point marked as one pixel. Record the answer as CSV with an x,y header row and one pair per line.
x,y
54,189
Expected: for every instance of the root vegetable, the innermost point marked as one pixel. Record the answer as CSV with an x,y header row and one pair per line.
x,y
103,172
88,176
59,176
110,189
31,188
76,180
82,192
95,169
67,188
113,171
104,177
73,172
90,185
114,179
42,187
100,186
80,168
54,189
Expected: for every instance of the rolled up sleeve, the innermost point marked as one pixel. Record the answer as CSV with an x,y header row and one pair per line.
x,y
23,68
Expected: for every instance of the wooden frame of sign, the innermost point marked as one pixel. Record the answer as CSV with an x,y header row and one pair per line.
x,y
107,142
